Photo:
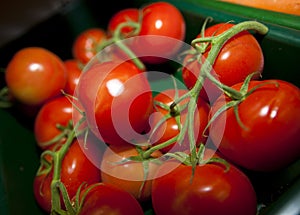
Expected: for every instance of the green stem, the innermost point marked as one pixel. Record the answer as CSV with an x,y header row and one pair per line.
x,y
57,162
217,43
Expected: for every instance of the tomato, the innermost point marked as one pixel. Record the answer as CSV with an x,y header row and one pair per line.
x,y
170,127
76,169
107,199
117,100
34,75
283,6
268,138
212,190
54,113
240,56
129,176
85,45
122,16
73,68
162,26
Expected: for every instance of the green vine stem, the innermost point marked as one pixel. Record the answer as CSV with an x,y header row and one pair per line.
x,y
57,188
217,43
117,40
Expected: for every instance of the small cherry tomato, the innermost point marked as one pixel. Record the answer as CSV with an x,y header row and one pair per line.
x,y
53,118
172,126
134,177
210,189
73,68
117,100
267,137
85,45
121,17
240,56
34,75
102,198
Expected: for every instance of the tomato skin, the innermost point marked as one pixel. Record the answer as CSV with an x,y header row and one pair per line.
x,y
271,115
213,191
42,191
35,75
85,45
240,56
104,90
76,169
73,75
172,129
58,111
165,21
128,176
108,199
122,16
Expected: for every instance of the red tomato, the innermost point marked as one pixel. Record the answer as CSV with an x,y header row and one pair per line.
x,y
123,16
212,190
170,127
117,99
270,138
76,169
35,75
57,111
73,68
129,176
162,26
107,199
85,45
240,56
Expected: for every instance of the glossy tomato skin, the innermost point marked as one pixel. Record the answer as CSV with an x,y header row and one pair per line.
x,y
240,56
165,21
271,116
212,191
85,45
123,16
73,68
117,99
76,169
108,199
129,176
34,75
42,191
58,111
170,128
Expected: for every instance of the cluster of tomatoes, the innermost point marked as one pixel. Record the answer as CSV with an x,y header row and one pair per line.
x,y
112,141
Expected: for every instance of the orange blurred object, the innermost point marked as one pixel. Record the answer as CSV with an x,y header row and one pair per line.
x,y
283,6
